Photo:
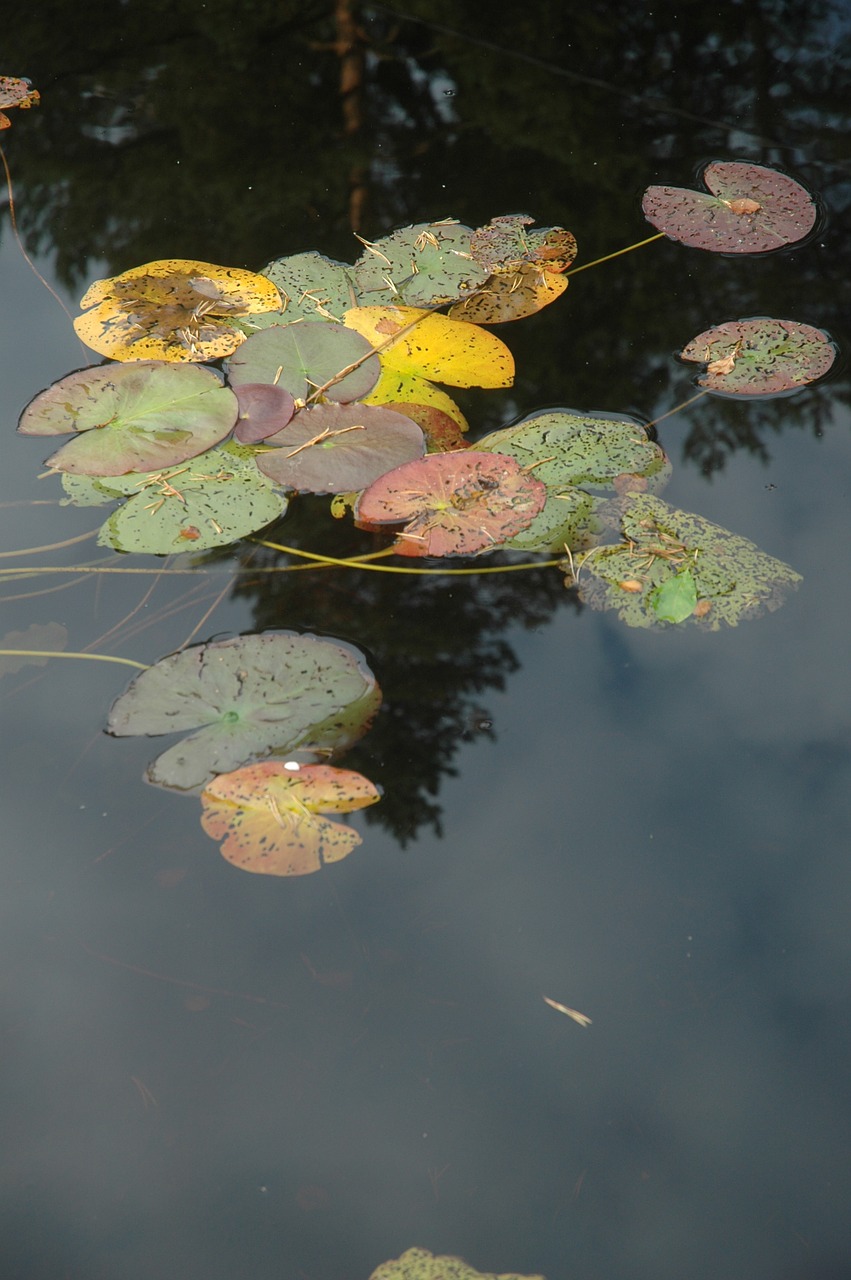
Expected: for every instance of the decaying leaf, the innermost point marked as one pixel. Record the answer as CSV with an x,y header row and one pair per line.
x,y
16,91
420,1264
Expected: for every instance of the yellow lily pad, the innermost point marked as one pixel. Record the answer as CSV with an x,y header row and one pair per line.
x,y
449,351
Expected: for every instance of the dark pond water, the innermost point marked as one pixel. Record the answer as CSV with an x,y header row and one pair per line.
x,y
208,1074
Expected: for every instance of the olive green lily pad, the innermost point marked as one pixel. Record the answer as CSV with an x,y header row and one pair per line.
x,y
589,451
87,491
419,1264
566,520
312,287
304,356
245,698
760,357
340,448
672,565
419,266
140,416
210,501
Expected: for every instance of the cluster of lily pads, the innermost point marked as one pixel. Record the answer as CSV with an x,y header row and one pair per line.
x,y
332,382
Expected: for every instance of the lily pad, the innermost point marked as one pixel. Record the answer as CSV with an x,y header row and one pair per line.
x,y
672,565
454,504
394,388
442,432
131,417
263,410
16,91
175,309
312,287
586,450
267,815
760,357
340,448
511,296
211,501
752,209
247,697
419,1264
304,356
87,491
462,355
565,520
505,244
421,266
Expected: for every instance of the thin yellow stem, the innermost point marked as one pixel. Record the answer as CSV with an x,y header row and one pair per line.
x,y
575,272
677,408
389,568
53,653
49,546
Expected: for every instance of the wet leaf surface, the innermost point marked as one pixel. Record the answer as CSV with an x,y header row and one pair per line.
x,y
731,579
210,501
454,504
304,356
760,357
176,309
437,348
340,448
267,816
419,266
246,697
263,410
419,1264
131,417
752,209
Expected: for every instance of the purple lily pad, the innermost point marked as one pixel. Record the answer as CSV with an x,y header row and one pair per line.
x,y
752,209
340,448
760,357
263,410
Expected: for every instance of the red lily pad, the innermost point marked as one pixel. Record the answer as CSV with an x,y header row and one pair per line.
x,y
268,815
454,504
306,355
263,410
760,357
752,209
340,448
441,431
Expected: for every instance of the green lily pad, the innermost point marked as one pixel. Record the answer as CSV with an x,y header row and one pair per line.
x,y
453,504
419,1264
419,266
247,697
672,565
340,448
306,355
588,451
141,416
752,209
760,357
312,286
87,491
566,520
210,501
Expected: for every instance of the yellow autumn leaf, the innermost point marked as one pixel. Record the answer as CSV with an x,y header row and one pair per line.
x,y
510,295
449,351
175,309
407,388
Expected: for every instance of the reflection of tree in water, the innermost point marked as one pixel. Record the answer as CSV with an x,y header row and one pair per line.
x,y
436,644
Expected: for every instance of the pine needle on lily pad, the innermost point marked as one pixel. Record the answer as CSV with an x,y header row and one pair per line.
x,y
175,309
210,501
673,565
268,815
312,287
340,448
420,1264
247,697
131,417
760,356
453,504
304,356
421,266
751,209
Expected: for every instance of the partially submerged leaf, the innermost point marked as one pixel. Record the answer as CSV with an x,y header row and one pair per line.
x,y
312,287
419,1264
131,417
445,350
16,91
454,504
263,410
340,448
247,697
305,356
176,309
50,636
210,501
267,815
672,565
752,209
420,266
760,356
